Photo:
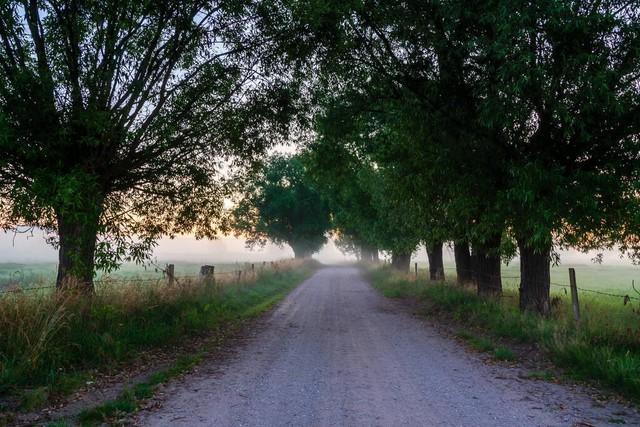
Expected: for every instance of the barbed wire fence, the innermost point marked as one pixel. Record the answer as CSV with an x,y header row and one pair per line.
x,y
570,290
208,273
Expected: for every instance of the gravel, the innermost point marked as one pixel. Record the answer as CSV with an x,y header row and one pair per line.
x,y
336,353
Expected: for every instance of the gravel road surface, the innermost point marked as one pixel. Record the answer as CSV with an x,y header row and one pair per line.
x,y
336,353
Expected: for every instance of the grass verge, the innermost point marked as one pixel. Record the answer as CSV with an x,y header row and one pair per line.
x,y
128,400
605,348
50,343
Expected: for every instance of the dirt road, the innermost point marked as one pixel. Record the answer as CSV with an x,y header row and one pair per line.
x,y
336,353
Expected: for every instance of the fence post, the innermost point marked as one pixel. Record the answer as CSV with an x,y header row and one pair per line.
x,y
239,274
574,295
207,274
416,265
170,271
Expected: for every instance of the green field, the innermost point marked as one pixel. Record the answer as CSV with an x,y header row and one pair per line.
x,y
614,278
43,274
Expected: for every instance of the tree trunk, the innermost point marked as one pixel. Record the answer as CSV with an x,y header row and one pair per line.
x,y
436,265
463,262
369,253
401,261
299,252
535,278
486,267
77,235
365,253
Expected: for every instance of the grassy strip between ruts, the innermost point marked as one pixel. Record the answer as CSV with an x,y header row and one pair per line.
x,y
50,342
605,347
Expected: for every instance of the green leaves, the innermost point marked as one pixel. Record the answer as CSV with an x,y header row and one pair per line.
x,y
281,205
132,112
506,114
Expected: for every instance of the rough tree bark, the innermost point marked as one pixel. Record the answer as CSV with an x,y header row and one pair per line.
x,y
401,261
486,267
436,265
77,236
535,277
463,262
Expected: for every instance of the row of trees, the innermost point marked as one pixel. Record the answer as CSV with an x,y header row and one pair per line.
x,y
501,126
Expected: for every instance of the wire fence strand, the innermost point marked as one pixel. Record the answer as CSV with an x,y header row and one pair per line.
x,y
250,269
625,297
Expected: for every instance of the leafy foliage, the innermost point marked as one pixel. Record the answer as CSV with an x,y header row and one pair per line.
x,y
281,205
490,120
118,116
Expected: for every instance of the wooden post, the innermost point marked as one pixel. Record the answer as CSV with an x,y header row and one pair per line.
x,y
207,274
170,271
207,270
239,274
416,264
574,295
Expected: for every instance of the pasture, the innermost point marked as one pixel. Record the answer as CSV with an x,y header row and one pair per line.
x,y
43,274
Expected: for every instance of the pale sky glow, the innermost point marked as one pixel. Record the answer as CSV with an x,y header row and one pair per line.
x,y
25,248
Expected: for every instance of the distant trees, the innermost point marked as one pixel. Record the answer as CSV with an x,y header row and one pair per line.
x,y
362,197
281,205
116,117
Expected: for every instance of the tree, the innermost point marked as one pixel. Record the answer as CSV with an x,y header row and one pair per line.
x,y
281,205
344,183
361,190
568,74
462,257
118,115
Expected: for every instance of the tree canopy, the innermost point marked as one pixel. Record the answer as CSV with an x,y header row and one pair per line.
x,y
503,122
500,126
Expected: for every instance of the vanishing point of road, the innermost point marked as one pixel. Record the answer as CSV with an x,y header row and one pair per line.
x,y
336,353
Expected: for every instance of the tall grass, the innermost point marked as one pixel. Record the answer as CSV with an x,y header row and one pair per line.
x,y
605,347
50,340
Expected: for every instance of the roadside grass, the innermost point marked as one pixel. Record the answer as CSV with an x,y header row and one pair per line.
x,y
544,375
605,347
503,353
483,344
129,399
50,343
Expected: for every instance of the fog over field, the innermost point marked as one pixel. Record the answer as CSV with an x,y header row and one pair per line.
x,y
26,248
31,247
